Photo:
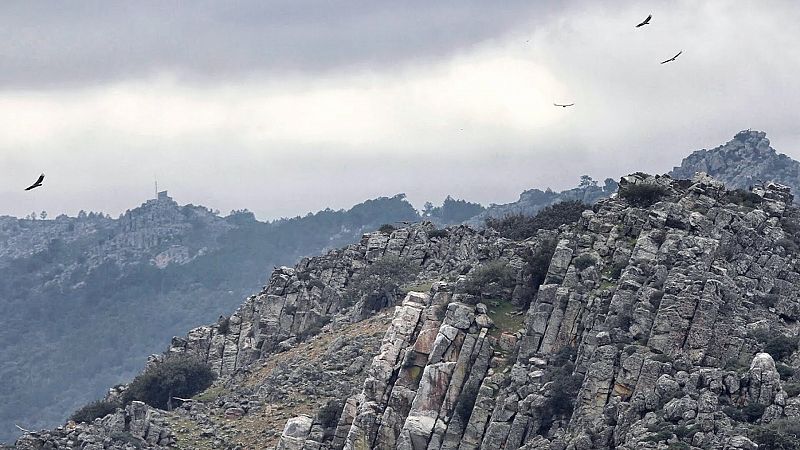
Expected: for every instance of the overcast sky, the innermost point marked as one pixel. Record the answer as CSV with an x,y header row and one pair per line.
x,y
285,107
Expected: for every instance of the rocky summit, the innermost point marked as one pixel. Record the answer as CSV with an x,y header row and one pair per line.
x,y
746,160
665,318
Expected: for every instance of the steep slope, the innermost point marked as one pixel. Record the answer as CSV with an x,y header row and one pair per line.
x,y
666,318
85,299
744,161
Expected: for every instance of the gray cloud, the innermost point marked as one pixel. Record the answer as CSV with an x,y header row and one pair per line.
x,y
284,110
54,44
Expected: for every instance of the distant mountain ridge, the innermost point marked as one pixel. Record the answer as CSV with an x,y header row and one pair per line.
x,y
744,161
85,299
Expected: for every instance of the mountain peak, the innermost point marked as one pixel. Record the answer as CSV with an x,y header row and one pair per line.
x,y
742,162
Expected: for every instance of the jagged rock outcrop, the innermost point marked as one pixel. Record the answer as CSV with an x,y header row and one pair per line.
x,y
646,322
666,318
745,161
137,425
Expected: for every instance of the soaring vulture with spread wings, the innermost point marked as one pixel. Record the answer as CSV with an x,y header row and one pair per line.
x,y
563,106
36,184
645,21
673,58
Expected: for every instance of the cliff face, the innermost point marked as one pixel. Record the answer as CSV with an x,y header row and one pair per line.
x,y
668,326
744,161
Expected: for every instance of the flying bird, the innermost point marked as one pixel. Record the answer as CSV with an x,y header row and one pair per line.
x,y
405,222
36,184
673,58
645,21
563,106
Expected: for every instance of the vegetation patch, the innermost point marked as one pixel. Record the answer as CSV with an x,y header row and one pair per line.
x,y
642,194
584,261
177,376
380,282
520,227
749,413
386,228
780,434
496,273
505,317
94,410
742,198
778,345
438,234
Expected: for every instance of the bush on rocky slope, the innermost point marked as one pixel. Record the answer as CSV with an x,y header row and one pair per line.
x,y
176,376
380,281
642,194
93,410
519,227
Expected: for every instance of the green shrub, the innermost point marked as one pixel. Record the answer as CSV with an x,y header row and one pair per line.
x,y
224,325
616,270
329,413
520,227
742,198
778,345
662,358
785,371
642,194
495,271
749,413
438,233
380,281
386,228
94,410
780,434
792,388
177,376
584,261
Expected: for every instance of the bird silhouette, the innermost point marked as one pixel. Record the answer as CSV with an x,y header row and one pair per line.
x,y
645,21
36,184
563,106
405,222
673,58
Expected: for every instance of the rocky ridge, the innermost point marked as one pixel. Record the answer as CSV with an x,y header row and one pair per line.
x,y
745,161
647,332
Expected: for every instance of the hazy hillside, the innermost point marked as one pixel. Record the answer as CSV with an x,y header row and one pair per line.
x,y
85,299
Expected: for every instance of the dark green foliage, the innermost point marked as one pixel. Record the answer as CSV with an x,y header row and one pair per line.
x,y
655,298
93,410
534,272
177,376
642,194
520,227
792,388
493,272
452,211
788,244
785,371
563,389
584,261
329,413
768,300
678,446
780,434
779,346
616,270
381,280
466,402
224,325
662,358
386,228
742,198
438,233
749,413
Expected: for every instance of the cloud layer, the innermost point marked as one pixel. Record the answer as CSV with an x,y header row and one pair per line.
x,y
285,110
